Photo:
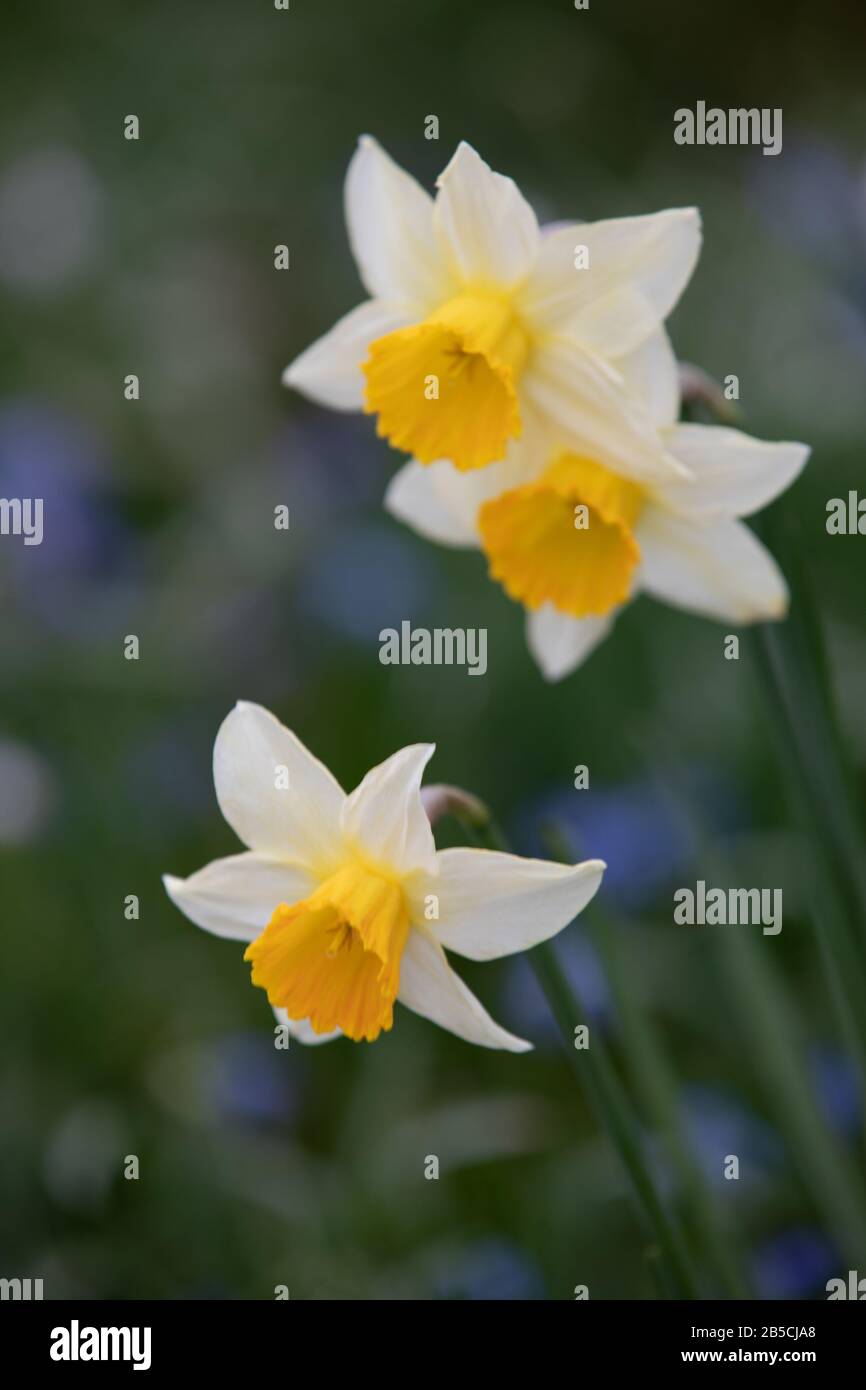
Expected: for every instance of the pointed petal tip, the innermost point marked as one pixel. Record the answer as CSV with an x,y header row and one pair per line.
x,y
463,151
424,751
584,866
687,214
367,144
242,707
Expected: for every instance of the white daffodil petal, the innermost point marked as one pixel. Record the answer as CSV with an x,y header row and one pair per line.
x,y
384,816
441,503
486,228
236,897
732,474
302,1029
717,568
429,498
278,798
329,371
615,323
430,988
492,904
390,221
558,287
560,643
655,255
651,375
594,413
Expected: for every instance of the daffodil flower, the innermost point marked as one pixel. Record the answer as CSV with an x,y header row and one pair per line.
x,y
573,541
345,901
482,328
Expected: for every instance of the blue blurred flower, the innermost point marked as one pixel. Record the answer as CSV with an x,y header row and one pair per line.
x,y
719,1124
364,578
795,1264
328,466
817,200
249,1080
523,1001
837,1085
639,830
490,1270
86,542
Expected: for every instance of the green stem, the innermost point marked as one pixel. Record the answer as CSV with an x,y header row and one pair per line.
x,y
769,1021
800,724
655,1081
791,664
825,1166
805,734
595,1072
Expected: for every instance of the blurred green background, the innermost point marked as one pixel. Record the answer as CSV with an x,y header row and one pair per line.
x,y
145,1037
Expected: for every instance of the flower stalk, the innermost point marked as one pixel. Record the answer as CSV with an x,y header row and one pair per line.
x,y
771,1038
596,1074
655,1082
790,663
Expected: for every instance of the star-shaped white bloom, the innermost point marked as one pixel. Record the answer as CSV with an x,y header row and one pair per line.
x,y
574,540
483,328
345,900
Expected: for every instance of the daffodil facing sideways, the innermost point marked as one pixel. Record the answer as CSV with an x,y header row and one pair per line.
x,y
345,902
483,329
574,541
